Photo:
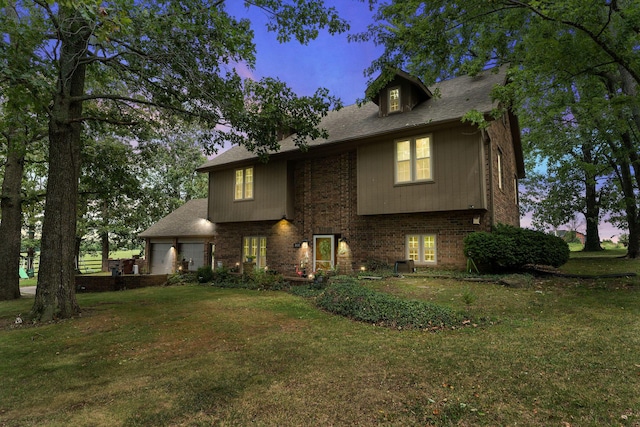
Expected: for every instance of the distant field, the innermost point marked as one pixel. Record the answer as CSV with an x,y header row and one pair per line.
x,y
90,263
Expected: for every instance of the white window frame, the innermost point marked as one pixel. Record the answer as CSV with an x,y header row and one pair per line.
x,y
256,247
243,182
391,107
417,248
413,160
332,240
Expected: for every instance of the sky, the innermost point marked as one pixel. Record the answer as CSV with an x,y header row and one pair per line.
x,y
329,61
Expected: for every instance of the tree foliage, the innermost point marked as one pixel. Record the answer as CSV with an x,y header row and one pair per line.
x,y
153,63
571,57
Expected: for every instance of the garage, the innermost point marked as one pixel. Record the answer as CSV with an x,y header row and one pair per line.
x,y
162,260
185,233
193,253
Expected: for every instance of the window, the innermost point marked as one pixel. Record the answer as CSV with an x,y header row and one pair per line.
x,y
394,99
500,174
413,160
244,184
421,248
254,248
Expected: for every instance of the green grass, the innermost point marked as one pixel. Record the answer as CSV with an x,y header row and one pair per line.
x,y
557,352
610,261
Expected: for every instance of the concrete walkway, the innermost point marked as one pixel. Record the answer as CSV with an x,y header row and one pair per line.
x,y
28,290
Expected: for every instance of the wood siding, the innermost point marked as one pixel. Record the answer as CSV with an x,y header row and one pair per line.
x,y
458,172
273,195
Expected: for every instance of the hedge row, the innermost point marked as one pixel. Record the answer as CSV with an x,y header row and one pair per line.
x,y
511,248
350,299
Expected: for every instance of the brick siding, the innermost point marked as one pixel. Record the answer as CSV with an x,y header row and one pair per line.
x,y
326,204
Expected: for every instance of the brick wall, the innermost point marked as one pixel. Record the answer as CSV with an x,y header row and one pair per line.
x,y
505,206
325,192
118,283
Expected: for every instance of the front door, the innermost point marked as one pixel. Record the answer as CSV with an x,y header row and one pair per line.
x,y
323,252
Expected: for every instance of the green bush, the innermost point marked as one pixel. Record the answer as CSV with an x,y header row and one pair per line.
x,y
350,299
181,278
205,274
223,278
266,280
511,248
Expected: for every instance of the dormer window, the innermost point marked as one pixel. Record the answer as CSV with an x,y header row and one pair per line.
x,y
400,94
394,99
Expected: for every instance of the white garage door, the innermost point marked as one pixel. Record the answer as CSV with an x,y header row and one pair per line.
x,y
194,253
161,258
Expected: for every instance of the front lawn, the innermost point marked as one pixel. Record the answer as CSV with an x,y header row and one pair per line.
x,y
555,352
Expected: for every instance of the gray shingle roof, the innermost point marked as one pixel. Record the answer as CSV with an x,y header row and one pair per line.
x,y
457,97
189,220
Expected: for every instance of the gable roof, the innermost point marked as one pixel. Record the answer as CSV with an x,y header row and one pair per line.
x,y
426,93
457,97
189,220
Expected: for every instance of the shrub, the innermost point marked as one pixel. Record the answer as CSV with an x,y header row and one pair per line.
x,y
265,280
181,278
205,274
511,248
350,299
378,266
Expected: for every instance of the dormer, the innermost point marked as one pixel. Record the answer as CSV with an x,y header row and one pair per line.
x,y
400,95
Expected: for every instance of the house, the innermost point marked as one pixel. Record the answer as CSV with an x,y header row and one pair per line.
x,y
570,235
399,178
183,235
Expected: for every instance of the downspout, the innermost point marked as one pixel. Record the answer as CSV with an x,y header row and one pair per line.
x,y
487,138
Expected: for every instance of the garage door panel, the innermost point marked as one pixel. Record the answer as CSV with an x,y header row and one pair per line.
x,y
194,253
161,258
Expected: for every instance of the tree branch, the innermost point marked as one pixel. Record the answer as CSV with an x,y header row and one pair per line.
x,y
610,51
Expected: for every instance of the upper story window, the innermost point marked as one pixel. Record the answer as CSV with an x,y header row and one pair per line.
x,y
413,160
244,184
394,99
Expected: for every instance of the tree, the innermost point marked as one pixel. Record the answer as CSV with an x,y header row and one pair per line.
x,y
547,45
560,135
21,116
169,59
109,190
167,169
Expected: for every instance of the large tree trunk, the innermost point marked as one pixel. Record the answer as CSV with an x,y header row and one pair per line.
x,y
11,224
592,213
631,207
11,199
55,295
626,162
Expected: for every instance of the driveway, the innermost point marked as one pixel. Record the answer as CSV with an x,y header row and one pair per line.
x,y
28,290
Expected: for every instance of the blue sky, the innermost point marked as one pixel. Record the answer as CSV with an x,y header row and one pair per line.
x,y
329,61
